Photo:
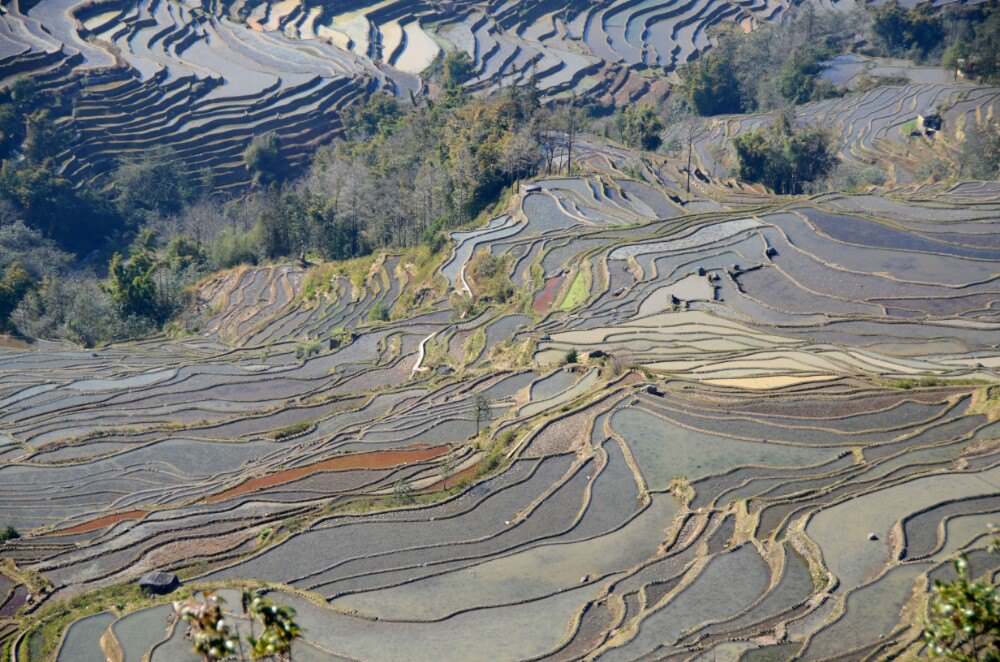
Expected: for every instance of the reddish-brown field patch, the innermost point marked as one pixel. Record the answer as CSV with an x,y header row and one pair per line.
x,y
373,460
544,299
101,523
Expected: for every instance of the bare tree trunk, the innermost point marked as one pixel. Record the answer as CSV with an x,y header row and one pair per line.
x,y
569,154
690,141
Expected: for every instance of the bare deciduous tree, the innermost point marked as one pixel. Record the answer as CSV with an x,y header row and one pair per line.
x,y
481,410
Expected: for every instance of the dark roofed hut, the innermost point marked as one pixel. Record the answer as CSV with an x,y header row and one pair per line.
x,y
159,582
929,121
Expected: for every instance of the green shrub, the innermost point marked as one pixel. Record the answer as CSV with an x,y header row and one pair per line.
x,y
231,247
14,285
489,463
711,83
264,160
978,46
457,68
131,284
378,313
153,184
402,493
798,78
308,349
292,430
490,276
340,338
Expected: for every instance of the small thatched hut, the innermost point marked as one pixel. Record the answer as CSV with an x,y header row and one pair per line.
x,y
159,582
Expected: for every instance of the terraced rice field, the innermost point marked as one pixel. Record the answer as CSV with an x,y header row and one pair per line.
x,y
154,73
798,427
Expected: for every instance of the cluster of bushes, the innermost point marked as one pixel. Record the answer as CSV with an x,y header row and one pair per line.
x,y
143,289
45,291
408,171
46,223
979,156
404,173
848,176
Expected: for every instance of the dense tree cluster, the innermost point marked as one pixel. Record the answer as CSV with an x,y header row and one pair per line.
x,y
713,83
43,292
30,141
150,186
768,67
640,126
915,31
26,258
77,309
14,285
975,47
456,68
264,160
798,80
405,173
782,158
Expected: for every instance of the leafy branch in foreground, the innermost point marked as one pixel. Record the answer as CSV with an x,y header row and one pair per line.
x,y
964,620
280,630
213,639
